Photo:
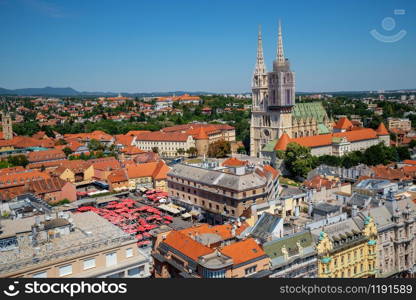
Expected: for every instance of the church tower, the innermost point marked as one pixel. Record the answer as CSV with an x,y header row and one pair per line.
x,y
272,114
7,128
259,96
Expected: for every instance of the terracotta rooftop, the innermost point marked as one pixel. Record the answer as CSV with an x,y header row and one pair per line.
x,y
381,130
327,139
343,123
243,251
47,155
234,162
283,141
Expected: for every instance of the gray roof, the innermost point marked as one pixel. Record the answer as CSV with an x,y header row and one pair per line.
x,y
381,216
218,178
326,208
265,225
291,191
360,200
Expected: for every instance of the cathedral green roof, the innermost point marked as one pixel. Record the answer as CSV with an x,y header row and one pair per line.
x,y
309,110
269,147
322,129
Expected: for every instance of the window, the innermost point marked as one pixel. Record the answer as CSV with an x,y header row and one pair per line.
x,y
129,252
135,272
111,259
65,270
40,275
116,275
250,270
89,263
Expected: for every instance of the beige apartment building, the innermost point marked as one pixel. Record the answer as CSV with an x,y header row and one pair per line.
x,y
220,194
69,245
400,124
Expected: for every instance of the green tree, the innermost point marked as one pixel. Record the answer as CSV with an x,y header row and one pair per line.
x,y
299,160
219,149
18,160
180,151
403,153
95,145
67,151
192,151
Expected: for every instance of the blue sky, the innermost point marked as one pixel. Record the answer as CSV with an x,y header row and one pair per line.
x,y
202,45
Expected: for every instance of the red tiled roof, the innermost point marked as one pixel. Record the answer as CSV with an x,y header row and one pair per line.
x,y
243,251
47,155
326,139
186,245
381,130
119,175
201,134
21,178
162,136
124,139
284,140
156,170
48,185
343,123
409,162
271,170
234,162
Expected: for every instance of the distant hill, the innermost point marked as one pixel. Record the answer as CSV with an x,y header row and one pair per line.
x,y
68,91
46,91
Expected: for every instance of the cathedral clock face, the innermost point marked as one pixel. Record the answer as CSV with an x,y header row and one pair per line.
x,y
266,133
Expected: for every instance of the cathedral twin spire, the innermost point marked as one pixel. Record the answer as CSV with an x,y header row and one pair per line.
x,y
280,56
260,66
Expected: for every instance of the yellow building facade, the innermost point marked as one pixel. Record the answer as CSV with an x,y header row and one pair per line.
x,y
347,251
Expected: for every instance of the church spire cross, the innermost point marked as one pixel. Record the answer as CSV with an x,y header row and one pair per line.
x,y
260,66
280,54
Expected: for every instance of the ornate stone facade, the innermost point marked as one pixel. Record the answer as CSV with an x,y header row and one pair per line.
x,y
274,111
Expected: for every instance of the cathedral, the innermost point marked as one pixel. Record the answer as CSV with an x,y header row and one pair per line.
x,y
274,111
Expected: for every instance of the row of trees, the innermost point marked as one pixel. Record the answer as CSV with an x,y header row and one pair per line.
x,y
299,160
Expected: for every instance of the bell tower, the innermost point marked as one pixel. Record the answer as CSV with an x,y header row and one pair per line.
x,y
7,128
273,99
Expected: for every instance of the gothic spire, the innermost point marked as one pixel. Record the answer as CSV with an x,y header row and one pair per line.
x,y
280,54
260,67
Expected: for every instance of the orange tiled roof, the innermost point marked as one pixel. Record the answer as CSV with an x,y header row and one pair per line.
x,y
326,139
243,251
186,245
343,123
225,230
48,185
201,135
317,182
409,162
119,175
156,170
271,170
47,155
124,139
381,130
162,136
21,178
385,172
132,150
234,162
284,140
